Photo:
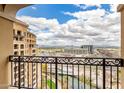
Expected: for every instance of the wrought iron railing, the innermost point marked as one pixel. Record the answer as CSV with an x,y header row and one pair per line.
x,y
46,72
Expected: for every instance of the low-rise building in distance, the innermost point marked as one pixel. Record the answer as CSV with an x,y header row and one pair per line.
x,y
65,51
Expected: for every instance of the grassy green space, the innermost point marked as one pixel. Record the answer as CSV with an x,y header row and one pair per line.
x,y
51,84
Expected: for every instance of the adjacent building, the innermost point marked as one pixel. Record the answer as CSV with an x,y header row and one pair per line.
x,y
49,51
30,44
24,44
23,40
85,49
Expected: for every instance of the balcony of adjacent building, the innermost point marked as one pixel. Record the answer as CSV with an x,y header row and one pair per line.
x,y
19,35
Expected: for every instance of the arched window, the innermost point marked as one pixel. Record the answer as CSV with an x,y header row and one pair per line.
x,y
16,46
22,46
16,53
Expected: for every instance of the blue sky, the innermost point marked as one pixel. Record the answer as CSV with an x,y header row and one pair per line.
x,y
69,24
51,11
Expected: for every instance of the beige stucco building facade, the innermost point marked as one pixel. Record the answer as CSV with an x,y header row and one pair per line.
x,y
121,10
24,41
6,49
30,44
7,19
19,38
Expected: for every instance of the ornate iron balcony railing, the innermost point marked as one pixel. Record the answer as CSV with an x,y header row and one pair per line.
x,y
46,72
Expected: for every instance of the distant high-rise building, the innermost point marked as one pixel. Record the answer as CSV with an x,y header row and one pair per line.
x,y
89,48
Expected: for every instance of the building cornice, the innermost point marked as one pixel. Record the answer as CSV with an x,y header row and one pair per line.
x,y
31,33
120,7
12,19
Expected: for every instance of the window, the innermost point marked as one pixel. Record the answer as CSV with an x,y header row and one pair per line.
x,y
22,53
21,39
18,32
30,35
16,46
30,45
22,46
16,53
16,38
33,51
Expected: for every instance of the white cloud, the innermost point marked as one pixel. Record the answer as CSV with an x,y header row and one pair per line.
x,y
89,27
113,7
86,6
34,8
87,14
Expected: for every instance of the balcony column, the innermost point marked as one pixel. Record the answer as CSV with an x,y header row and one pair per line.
x,y
121,10
122,46
6,49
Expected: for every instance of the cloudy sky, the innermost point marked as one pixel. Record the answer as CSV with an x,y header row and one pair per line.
x,y
73,25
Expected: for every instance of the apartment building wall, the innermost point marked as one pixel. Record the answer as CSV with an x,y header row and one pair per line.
x,y
30,44
6,49
7,18
19,39
120,9
24,41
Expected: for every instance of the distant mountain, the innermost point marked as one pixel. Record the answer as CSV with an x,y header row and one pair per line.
x,y
96,46
70,46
